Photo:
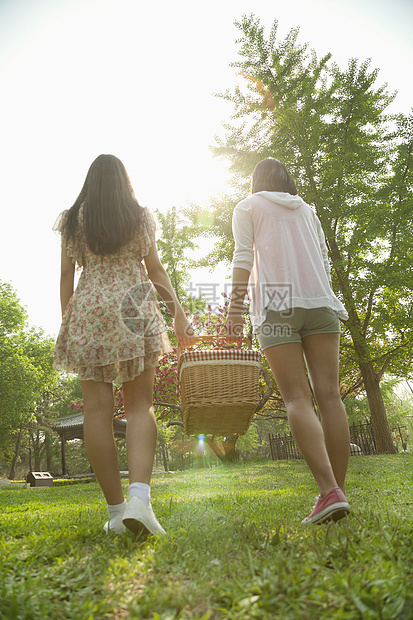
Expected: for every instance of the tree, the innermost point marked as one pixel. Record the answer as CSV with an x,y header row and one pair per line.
x,y
19,377
26,371
67,392
177,239
353,163
398,409
38,349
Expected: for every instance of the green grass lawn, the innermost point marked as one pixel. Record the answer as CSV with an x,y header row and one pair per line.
x,y
234,548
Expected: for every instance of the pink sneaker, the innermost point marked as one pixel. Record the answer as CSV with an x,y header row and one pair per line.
x,y
333,506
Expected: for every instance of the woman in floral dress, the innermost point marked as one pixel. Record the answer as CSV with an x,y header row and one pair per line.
x,y
113,331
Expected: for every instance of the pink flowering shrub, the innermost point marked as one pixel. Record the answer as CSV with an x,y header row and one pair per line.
x,y
166,383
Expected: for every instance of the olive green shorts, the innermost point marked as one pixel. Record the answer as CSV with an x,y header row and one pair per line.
x,y
295,324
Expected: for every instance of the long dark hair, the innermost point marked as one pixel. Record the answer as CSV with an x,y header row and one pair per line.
x,y
272,176
112,215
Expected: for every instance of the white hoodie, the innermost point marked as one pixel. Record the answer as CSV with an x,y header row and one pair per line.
x,y
279,239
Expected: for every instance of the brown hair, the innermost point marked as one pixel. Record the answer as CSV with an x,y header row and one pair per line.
x,y
112,215
272,176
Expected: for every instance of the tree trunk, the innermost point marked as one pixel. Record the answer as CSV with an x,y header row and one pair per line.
x,y
63,449
371,379
48,450
164,457
231,452
227,452
379,422
215,448
37,450
12,473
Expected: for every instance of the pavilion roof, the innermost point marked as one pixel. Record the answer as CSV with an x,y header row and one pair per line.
x,y
71,426
69,421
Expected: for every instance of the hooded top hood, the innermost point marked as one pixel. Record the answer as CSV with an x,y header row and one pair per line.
x,y
283,199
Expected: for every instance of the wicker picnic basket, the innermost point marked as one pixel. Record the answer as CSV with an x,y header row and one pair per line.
x,y
219,388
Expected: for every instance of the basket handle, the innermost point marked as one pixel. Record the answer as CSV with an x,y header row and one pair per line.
x,y
216,340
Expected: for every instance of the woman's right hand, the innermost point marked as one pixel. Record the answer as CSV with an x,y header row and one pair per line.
x,y
233,328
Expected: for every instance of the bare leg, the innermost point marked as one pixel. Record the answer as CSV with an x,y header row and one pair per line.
x,y
99,440
321,354
141,436
141,430
287,364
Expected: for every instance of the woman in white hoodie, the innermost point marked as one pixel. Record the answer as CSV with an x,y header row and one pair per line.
x,y
281,260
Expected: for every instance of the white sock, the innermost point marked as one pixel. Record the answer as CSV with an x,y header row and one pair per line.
x,y
141,490
116,510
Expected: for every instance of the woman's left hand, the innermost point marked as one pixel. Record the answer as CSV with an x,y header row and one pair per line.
x,y
184,331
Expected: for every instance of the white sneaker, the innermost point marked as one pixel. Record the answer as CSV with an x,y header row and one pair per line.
x,y
115,525
138,517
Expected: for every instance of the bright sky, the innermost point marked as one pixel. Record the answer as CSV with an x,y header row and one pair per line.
x,y
137,79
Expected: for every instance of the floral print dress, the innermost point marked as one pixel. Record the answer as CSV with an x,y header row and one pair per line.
x,y
112,328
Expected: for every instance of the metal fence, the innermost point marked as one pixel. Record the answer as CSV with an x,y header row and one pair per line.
x,y
362,442
284,447
362,439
